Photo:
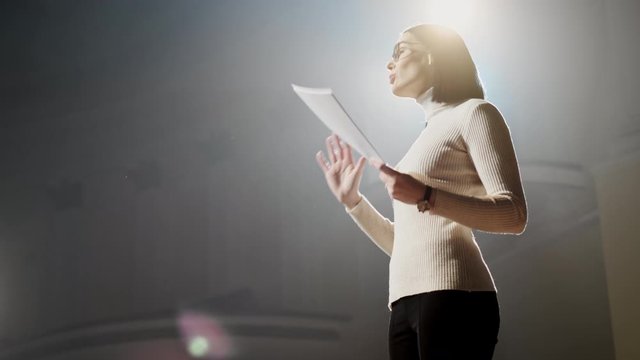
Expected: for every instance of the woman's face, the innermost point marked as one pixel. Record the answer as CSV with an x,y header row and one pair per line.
x,y
408,67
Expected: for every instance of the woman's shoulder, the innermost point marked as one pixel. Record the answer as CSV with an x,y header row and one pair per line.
x,y
475,103
477,106
471,113
464,109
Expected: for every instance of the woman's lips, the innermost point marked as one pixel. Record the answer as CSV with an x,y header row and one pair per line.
x,y
392,78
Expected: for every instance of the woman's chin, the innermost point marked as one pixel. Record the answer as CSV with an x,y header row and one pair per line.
x,y
395,90
399,92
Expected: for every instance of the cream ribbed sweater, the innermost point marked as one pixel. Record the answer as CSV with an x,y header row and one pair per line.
x,y
466,154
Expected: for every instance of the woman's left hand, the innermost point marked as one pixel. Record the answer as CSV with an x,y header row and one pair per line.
x,y
400,186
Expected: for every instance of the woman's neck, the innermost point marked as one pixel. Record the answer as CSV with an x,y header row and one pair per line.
x,y
429,105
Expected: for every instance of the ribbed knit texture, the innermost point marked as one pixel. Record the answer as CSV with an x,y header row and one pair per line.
x,y
466,154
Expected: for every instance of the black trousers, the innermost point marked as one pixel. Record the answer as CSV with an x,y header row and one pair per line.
x,y
444,324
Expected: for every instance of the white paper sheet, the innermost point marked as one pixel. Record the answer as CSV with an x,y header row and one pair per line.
x,y
328,109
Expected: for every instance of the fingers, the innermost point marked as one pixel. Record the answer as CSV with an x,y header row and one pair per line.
x,y
348,156
386,169
375,162
322,162
360,164
344,151
385,178
358,167
330,149
387,174
339,153
346,161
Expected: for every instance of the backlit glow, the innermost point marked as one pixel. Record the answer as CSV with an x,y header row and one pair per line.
x,y
453,13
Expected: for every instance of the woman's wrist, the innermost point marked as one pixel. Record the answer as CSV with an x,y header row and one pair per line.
x,y
350,204
432,197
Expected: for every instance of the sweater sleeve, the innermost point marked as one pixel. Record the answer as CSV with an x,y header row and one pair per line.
x,y
503,209
377,227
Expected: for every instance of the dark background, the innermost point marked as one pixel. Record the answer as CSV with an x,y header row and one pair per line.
x,y
154,159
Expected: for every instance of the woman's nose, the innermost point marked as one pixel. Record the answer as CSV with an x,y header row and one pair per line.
x,y
390,65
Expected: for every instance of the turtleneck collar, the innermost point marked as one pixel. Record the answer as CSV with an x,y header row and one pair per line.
x,y
430,106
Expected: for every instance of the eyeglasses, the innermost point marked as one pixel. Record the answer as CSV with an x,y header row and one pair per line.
x,y
397,51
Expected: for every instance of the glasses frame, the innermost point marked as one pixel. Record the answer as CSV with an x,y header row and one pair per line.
x,y
396,49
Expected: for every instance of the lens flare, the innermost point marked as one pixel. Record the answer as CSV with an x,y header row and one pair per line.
x,y
198,347
203,337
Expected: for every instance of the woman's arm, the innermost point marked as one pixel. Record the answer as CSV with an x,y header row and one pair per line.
x,y
371,222
504,208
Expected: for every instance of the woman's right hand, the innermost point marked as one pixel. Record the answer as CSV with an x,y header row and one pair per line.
x,y
342,175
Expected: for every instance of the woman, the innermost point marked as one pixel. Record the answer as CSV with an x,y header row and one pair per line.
x,y
461,173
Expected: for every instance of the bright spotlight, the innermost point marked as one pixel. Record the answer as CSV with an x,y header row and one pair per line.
x,y
453,13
